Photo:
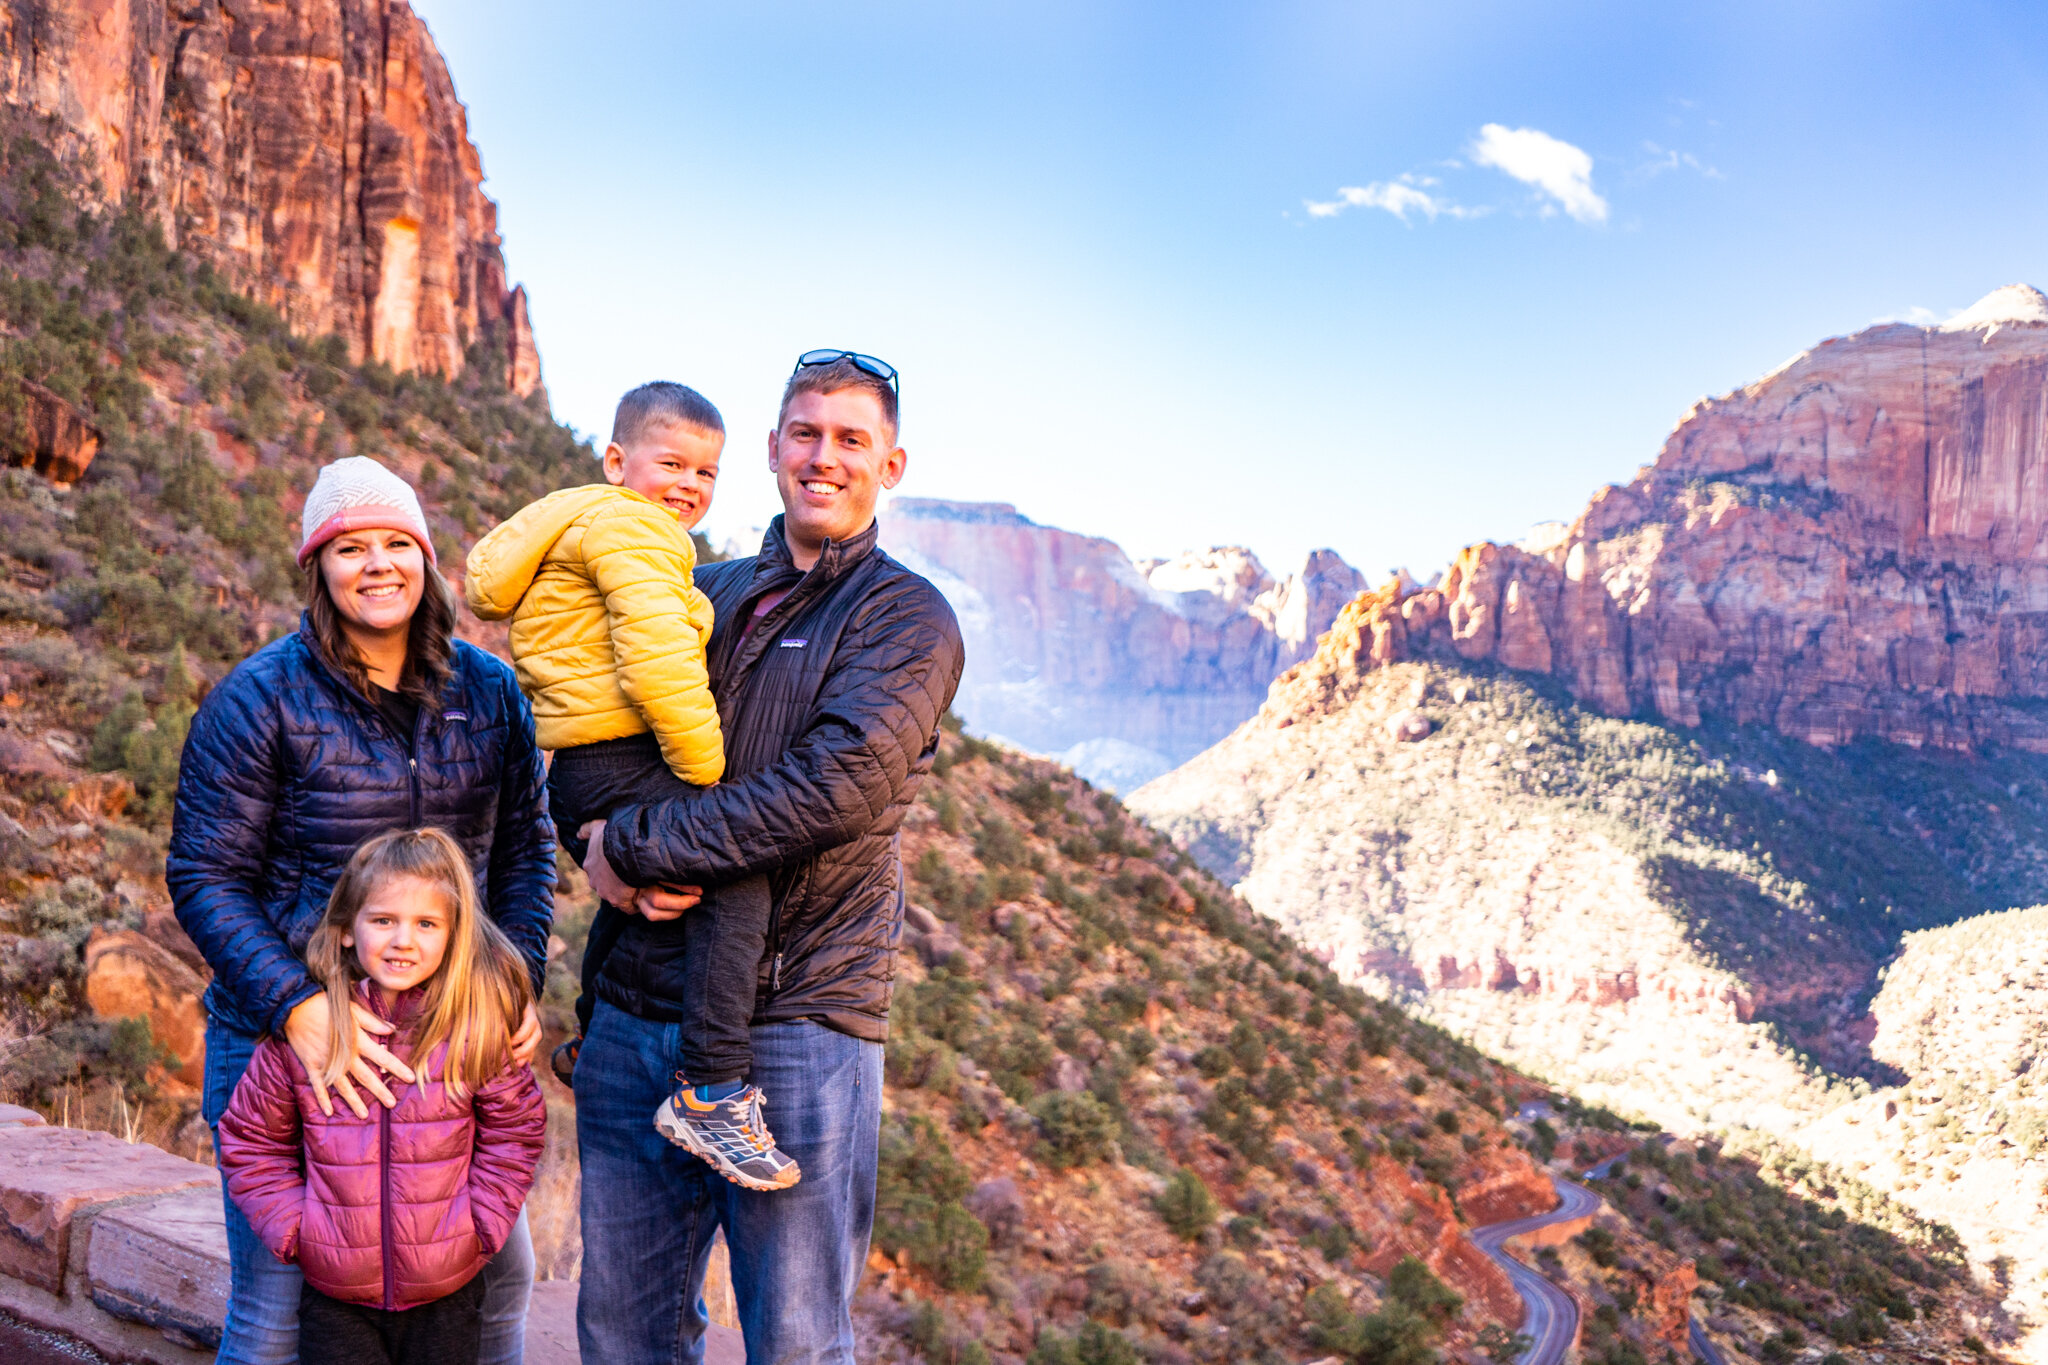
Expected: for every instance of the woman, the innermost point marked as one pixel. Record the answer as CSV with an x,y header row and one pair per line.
x,y
372,717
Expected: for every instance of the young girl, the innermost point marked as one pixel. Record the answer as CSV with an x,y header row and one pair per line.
x,y
391,1217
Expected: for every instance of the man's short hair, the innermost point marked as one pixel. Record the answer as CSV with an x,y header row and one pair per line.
x,y
661,402
835,377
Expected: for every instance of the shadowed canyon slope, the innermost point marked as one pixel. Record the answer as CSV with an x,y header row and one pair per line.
x,y
1649,808
1124,668
314,152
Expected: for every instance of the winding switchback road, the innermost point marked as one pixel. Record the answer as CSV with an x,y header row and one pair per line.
x,y
1550,1317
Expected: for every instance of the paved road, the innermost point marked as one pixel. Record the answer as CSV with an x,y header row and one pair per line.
x,y
1705,1349
1550,1318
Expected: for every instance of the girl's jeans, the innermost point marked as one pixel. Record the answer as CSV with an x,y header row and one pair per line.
x,y
263,1296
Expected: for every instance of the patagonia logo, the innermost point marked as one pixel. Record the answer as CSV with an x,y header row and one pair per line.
x,y
793,643
455,715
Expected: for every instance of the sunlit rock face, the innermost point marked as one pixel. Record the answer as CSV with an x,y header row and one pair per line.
x,y
1127,668
1856,544
315,152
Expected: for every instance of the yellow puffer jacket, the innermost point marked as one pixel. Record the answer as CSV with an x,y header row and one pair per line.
x,y
608,628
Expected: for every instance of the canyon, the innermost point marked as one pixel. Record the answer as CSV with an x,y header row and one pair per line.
x,y
314,153
1123,668
1648,803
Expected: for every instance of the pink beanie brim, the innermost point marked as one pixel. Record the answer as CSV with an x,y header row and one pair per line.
x,y
365,518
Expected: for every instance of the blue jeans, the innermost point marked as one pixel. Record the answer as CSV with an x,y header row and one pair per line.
x,y
650,1209
263,1292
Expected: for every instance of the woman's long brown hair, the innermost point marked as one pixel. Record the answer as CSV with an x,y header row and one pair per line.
x,y
474,1003
429,646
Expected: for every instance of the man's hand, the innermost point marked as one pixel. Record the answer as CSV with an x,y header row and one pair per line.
x,y
306,1031
526,1042
655,903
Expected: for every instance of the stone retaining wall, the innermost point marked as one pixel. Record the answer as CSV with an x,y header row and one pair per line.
x,y
117,1244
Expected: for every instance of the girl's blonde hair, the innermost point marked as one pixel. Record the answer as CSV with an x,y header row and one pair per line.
x,y
474,1003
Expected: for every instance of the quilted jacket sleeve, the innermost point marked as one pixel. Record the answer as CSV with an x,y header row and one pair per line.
x,y
229,779
660,622
522,880
894,674
511,1129
262,1151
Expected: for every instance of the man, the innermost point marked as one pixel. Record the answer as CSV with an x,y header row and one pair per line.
x,y
832,665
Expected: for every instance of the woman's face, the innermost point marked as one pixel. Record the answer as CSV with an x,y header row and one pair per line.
x,y
376,578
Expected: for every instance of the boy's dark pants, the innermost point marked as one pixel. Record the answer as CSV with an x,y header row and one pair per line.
x,y
445,1332
721,940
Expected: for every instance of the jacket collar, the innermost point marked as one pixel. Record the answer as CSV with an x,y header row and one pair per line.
x,y
403,1011
834,561
342,685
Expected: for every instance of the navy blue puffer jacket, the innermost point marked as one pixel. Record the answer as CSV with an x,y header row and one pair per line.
x,y
288,768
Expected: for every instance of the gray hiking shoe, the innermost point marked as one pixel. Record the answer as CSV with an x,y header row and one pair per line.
x,y
730,1134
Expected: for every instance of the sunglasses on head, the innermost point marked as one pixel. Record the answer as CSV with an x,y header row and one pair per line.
x,y
880,369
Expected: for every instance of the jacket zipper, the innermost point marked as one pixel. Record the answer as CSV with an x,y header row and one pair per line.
x,y
384,1204
412,764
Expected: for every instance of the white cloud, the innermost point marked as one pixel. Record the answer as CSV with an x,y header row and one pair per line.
x,y
1400,197
1561,171
1669,159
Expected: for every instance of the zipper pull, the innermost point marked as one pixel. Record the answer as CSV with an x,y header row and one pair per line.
x,y
414,764
775,974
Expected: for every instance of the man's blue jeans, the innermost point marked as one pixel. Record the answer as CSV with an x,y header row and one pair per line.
x,y
650,1209
263,1292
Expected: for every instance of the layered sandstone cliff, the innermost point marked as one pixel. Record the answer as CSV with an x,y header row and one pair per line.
x,y
1128,667
315,152
1856,544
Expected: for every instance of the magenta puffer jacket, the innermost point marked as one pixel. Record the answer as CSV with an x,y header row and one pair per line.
x,y
395,1210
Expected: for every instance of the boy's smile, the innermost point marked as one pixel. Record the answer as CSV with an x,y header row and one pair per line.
x,y
671,464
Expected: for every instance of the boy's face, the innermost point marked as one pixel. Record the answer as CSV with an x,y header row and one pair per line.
x,y
669,463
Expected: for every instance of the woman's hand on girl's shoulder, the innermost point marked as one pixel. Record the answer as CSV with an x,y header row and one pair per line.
x,y
308,1032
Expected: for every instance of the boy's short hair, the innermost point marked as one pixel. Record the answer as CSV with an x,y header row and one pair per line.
x,y
838,375
662,401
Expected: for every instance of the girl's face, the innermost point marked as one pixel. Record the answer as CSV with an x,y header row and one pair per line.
x,y
401,933
375,577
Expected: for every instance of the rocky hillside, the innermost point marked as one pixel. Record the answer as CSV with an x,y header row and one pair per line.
x,y
1963,1016
177,424
1123,668
1850,546
314,154
1128,1121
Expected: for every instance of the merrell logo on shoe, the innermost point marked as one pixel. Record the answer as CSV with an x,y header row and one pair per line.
x,y
794,644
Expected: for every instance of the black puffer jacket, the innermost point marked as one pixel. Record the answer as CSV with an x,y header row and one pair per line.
x,y
288,768
831,713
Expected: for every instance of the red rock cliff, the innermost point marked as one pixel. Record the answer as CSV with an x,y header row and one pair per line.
x,y
1856,544
315,151
1071,643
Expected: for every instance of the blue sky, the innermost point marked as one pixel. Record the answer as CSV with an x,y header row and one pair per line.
x,y
1085,233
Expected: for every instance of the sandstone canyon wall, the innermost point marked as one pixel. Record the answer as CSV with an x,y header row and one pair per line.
x,y
1614,803
315,152
1128,668
1856,544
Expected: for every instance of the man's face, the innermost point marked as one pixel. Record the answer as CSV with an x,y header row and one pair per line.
x,y
832,457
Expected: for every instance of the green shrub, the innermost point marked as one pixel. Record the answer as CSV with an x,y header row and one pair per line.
x,y
1073,1129
1186,1206
918,1214
1095,1344
940,1341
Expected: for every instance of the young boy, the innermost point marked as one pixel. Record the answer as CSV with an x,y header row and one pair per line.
x,y
609,635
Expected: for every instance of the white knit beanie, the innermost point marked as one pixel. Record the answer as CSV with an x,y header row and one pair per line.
x,y
358,494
